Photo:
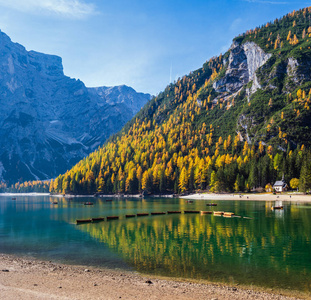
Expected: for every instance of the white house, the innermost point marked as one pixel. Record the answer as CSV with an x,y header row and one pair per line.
x,y
280,186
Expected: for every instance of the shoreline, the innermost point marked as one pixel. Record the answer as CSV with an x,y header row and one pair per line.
x,y
251,197
287,197
26,278
23,194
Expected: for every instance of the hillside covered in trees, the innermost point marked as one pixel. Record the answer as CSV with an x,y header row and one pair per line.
x,y
238,123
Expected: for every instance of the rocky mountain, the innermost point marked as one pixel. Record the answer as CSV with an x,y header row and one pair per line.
x,y
244,61
238,123
121,95
49,121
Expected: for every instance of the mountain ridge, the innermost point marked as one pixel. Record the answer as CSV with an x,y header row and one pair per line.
x,y
242,137
245,135
49,121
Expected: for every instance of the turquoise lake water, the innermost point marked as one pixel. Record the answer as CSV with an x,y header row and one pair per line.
x,y
272,249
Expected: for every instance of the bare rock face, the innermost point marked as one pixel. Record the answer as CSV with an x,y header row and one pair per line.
x,y
292,67
244,60
49,121
299,70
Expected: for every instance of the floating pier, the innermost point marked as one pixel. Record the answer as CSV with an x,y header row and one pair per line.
x,y
218,213
81,221
112,218
206,212
215,213
100,219
130,216
228,214
142,214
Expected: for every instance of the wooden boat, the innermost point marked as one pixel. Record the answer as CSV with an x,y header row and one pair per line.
x,y
84,221
173,212
211,204
218,213
98,219
13,198
142,214
130,216
206,212
55,202
276,207
112,218
88,203
191,211
189,201
158,213
108,200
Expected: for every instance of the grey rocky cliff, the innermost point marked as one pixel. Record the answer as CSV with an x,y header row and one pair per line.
x,y
299,70
49,121
244,61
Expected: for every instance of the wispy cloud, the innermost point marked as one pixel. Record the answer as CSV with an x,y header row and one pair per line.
x,y
76,9
235,24
267,2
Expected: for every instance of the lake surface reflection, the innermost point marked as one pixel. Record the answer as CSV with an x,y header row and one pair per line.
x,y
272,249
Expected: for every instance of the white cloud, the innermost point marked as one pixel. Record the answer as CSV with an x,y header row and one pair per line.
x,y
66,8
235,24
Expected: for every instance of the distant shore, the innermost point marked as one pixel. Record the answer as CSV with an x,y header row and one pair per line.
x,y
296,197
24,278
23,194
250,197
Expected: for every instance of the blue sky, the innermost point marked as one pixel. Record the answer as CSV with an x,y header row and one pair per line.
x,y
138,43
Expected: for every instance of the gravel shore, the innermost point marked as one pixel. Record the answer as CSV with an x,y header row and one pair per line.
x,y
250,197
22,278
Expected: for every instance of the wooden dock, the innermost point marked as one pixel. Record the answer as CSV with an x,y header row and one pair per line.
x,y
206,212
130,216
228,214
99,219
215,213
81,221
218,213
112,218
142,214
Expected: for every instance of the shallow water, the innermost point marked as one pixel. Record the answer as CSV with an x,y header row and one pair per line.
x,y
273,249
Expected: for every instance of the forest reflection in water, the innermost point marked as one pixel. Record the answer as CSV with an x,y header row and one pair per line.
x,y
272,249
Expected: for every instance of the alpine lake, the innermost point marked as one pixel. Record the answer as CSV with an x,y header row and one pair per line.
x,y
269,248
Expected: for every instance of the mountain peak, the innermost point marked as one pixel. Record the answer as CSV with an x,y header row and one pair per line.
x,y
49,121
